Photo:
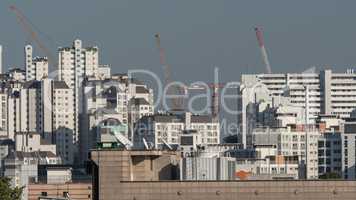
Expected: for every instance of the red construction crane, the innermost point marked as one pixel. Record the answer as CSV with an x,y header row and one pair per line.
x,y
21,18
261,44
176,103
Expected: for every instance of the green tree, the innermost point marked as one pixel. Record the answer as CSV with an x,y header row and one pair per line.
x,y
330,175
7,192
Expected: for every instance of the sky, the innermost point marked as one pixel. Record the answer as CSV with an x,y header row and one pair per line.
x,y
197,35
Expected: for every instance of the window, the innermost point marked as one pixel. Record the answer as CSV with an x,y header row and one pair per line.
x,y
321,144
44,194
65,194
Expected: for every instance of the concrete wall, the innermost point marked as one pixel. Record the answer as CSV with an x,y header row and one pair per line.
x,y
113,180
77,191
251,190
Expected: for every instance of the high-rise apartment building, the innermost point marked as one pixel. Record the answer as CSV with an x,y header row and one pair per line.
x,y
58,118
44,107
74,65
120,98
37,67
325,92
329,93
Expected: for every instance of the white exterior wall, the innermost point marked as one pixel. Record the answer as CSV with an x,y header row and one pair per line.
x,y
36,68
3,111
222,168
41,68
330,93
155,132
47,109
74,64
209,132
31,142
169,132
264,169
291,143
66,138
59,176
30,70
95,107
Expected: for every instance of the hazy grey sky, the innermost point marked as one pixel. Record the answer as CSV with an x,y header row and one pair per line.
x,y
197,34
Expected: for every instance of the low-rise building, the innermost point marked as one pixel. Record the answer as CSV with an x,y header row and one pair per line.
x,y
203,168
33,142
329,153
268,168
348,152
66,191
293,141
21,167
6,146
161,129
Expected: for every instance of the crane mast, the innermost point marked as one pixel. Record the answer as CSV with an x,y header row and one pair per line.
x,y
261,44
21,18
176,103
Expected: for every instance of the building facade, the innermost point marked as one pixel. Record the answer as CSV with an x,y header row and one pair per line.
x,y
74,64
117,98
161,129
291,141
348,151
22,167
324,92
37,67
117,177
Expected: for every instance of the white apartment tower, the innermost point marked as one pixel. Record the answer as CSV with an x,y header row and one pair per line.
x,y
329,93
36,68
74,64
322,92
118,98
44,107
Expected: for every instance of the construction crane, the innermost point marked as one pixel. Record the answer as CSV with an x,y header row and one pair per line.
x,y
176,103
261,44
26,25
215,105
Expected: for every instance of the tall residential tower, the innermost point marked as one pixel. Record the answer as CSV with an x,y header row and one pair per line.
x,y
323,92
75,63
36,68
